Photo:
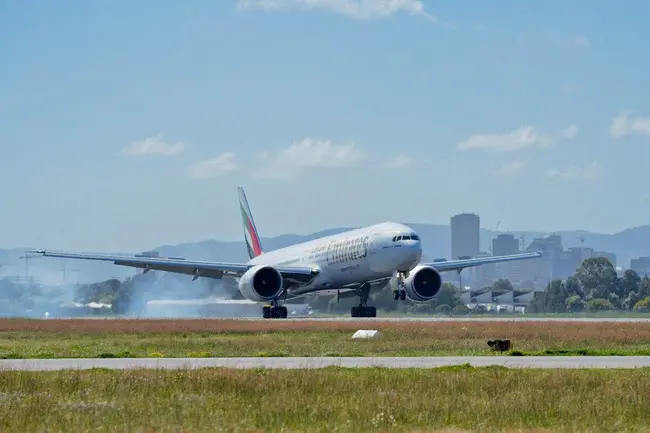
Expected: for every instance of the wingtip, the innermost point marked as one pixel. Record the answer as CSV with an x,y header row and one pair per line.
x,y
39,252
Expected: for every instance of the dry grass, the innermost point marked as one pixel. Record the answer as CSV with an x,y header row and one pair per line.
x,y
207,337
450,399
577,331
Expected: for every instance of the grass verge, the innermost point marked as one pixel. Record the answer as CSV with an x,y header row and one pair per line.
x,y
21,338
447,399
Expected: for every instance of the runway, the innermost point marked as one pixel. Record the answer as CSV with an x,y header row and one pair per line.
x,y
320,362
463,319
382,319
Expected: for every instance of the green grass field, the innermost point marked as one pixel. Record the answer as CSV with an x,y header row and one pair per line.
x,y
333,399
20,338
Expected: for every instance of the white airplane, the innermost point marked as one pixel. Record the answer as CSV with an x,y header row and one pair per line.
x,y
351,263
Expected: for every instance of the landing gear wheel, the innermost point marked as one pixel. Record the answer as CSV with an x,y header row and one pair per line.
x,y
396,294
402,294
279,312
361,311
270,312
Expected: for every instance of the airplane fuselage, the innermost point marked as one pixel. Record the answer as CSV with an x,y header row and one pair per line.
x,y
355,256
358,260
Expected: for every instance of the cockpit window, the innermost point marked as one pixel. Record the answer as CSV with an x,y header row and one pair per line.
x,y
412,236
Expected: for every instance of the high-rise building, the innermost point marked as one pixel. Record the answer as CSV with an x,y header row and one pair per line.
x,y
505,244
641,266
548,267
484,274
465,235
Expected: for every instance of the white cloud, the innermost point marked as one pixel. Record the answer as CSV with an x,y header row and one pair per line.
x,y
356,9
574,172
309,153
400,161
511,168
224,163
524,137
626,123
154,145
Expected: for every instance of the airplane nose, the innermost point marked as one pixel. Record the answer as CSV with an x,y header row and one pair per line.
x,y
417,251
413,254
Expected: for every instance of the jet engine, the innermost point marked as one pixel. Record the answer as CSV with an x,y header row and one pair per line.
x,y
423,283
261,283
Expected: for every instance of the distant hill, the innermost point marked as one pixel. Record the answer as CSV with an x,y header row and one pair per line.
x,y
628,244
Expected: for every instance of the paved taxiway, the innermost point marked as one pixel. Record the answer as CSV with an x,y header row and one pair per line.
x,y
320,362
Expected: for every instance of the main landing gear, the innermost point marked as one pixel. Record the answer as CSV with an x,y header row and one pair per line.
x,y
363,310
274,311
400,293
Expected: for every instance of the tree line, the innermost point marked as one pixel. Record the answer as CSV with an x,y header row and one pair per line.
x,y
595,286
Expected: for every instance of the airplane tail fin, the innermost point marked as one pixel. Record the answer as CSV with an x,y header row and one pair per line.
x,y
250,231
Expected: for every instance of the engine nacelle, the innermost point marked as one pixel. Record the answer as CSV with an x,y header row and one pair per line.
x,y
423,283
261,283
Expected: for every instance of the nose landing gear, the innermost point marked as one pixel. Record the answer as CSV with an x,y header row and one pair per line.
x,y
400,293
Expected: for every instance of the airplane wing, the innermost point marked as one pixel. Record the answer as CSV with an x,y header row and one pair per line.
x,y
458,265
198,269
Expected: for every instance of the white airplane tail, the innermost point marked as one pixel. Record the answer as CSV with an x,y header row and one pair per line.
x,y
250,231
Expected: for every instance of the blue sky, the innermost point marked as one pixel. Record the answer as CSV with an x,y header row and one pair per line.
x,y
126,125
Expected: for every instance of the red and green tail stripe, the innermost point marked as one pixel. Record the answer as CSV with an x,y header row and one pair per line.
x,y
254,246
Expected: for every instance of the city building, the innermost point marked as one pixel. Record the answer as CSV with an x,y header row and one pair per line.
x,y
556,263
484,274
503,245
641,266
465,235
465,240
